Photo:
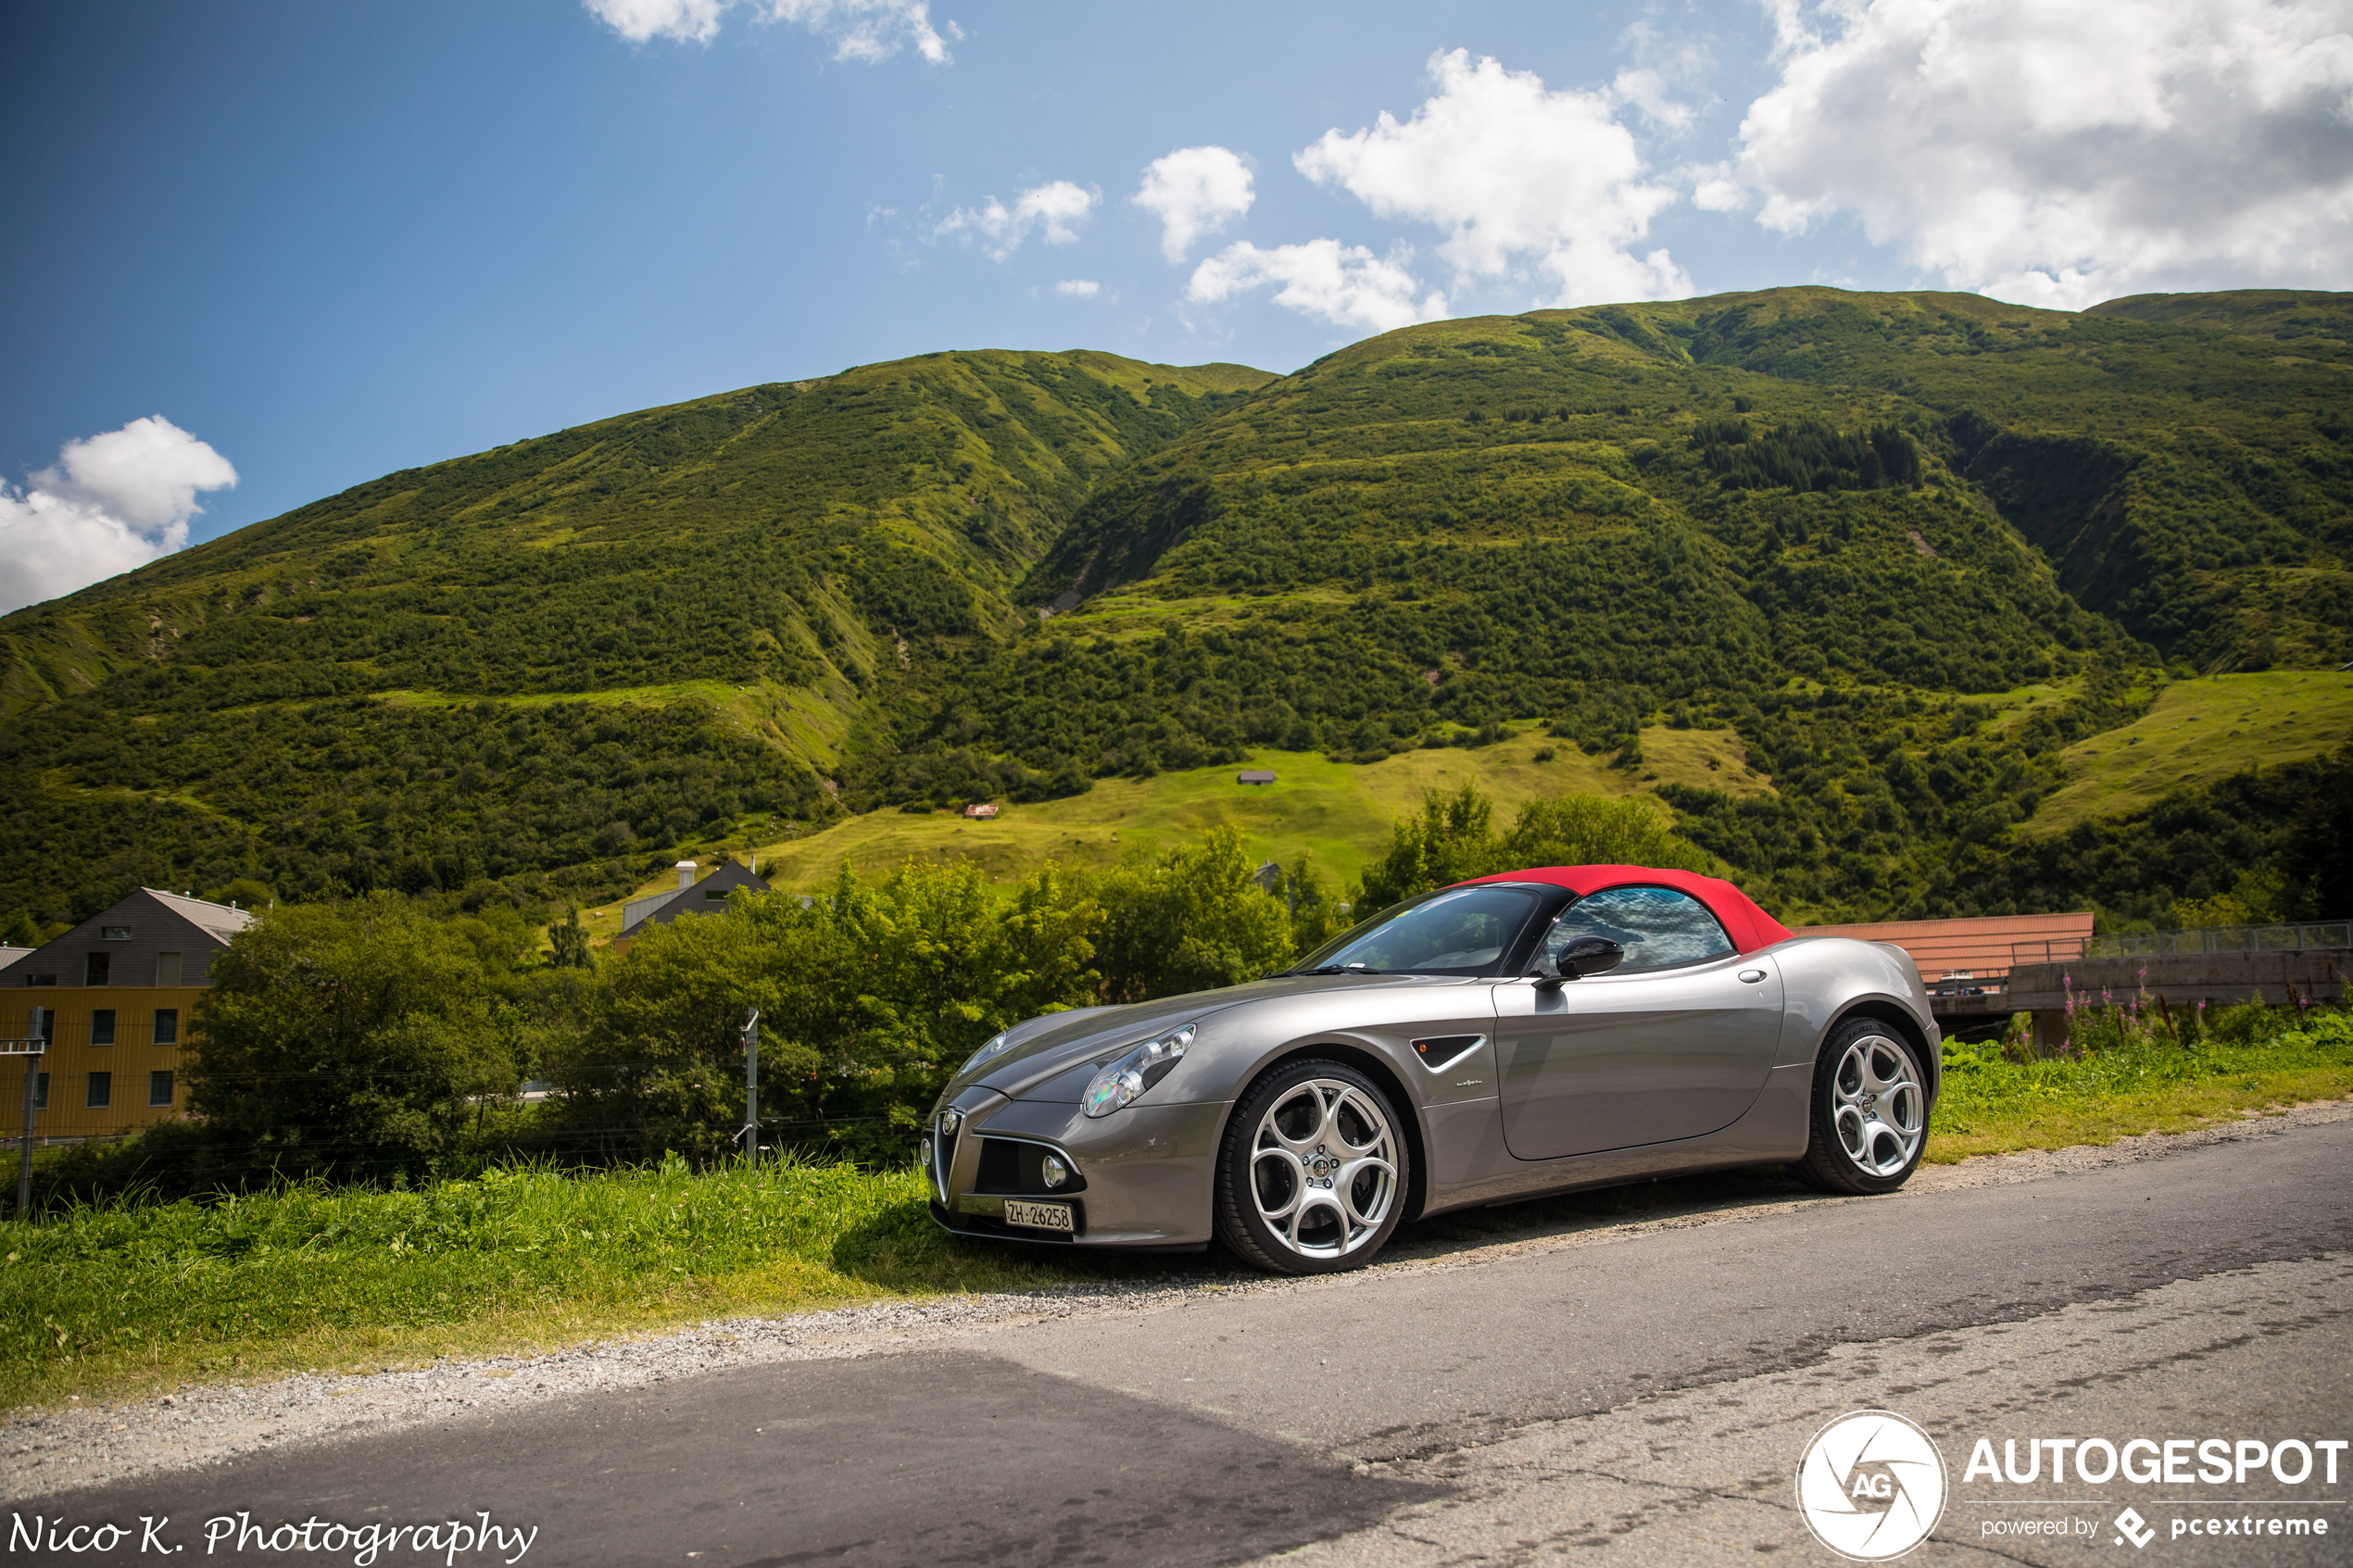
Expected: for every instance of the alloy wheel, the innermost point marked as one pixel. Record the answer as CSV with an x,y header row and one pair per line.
x,y
1323,1168
1877,1106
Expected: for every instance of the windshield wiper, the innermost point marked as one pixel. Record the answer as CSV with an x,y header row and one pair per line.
x,y
1329,968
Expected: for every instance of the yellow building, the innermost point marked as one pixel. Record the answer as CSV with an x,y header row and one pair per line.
x,y
111,999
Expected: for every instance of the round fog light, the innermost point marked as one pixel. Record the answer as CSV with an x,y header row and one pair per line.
x,y
1054,1171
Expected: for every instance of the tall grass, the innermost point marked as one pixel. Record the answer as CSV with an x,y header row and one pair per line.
x,y
125,1289
2135,1068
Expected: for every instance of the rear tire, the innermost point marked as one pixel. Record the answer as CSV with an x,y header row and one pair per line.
x,y
1869,1121
1313,1176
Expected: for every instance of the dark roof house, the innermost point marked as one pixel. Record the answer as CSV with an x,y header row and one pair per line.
x,y
690,896
150,938
1254,776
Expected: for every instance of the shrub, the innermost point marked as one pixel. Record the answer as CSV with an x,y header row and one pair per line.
x,y
355,1036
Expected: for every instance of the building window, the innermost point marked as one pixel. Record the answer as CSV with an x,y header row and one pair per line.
x,y
159,1089
41,1091
101,1027
167,1026
114,934
166,969
101,1091
41,980
94,968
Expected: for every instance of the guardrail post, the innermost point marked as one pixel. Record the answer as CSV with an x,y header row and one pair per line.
x,y
751,1088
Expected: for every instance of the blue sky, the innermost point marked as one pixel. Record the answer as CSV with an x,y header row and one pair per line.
x,y
316,244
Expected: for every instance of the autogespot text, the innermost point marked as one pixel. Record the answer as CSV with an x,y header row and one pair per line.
x,y
2184,1463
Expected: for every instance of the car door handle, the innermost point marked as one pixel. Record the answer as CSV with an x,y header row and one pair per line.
x,y
1751,975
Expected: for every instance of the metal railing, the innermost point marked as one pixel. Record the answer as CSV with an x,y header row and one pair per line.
x,y
2304,936
2224,939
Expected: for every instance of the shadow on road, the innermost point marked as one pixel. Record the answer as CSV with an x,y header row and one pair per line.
x,y
903,1249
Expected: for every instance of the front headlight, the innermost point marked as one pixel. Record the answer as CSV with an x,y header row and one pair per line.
x,y
988,1052
1120,1082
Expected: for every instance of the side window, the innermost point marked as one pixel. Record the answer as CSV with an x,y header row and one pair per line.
x,y
1659,927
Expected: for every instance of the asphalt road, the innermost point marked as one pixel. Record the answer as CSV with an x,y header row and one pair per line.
x,y
1502,1404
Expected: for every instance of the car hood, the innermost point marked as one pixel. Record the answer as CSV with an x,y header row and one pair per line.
x,y
1046,1047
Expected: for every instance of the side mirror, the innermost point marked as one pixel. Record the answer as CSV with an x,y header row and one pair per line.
x,y
1583,956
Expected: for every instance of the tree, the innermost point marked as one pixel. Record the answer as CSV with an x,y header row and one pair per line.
x,y
568,943
354,1036
1450,840
1596,830
1190,920
869,997
1318,914
1453,840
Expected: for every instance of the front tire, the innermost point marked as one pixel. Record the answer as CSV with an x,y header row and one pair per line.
x,y
1313,1176
1869,1123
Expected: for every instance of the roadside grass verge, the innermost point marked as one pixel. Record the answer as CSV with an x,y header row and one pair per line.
x,y
2140,1080
131,1295
112,1298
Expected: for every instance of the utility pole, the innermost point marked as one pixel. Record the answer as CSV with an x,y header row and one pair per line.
x,y
751,1087
31,1049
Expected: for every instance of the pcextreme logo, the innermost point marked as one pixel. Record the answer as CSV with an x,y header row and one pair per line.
x,y
1870,1485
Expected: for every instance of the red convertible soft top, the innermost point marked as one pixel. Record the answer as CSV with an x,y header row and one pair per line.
x,y
1748,926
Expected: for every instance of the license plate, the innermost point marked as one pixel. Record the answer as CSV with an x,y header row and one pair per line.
x,y
1037,1216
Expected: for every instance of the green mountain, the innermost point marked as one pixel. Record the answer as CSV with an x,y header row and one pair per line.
x,y
557,655
1908,548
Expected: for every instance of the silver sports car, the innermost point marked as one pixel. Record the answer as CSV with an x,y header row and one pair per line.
x,y
1530,1032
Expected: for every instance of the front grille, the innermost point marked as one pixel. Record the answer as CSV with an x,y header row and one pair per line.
x,y
1010,1166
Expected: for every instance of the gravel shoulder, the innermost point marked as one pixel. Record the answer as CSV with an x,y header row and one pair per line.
x,y
43,1451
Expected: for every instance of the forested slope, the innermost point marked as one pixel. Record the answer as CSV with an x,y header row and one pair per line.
x,y
1844,525
1907,548
566,653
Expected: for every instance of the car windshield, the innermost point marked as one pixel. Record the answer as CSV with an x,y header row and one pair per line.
x,y
1461,931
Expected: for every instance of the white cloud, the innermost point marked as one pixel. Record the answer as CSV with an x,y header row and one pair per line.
x,y
1080,288
2060,154
1346,285
1058,207
112,502
1196,190
1521,177
859,29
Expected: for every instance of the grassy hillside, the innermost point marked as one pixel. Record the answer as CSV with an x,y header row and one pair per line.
x,y
2194,736
1333,811
1938,572
548,656
1847,527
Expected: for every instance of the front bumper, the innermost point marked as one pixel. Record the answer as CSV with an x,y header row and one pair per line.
x,y
1142,1177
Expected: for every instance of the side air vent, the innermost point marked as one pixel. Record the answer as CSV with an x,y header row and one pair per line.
x,y
1440,1049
